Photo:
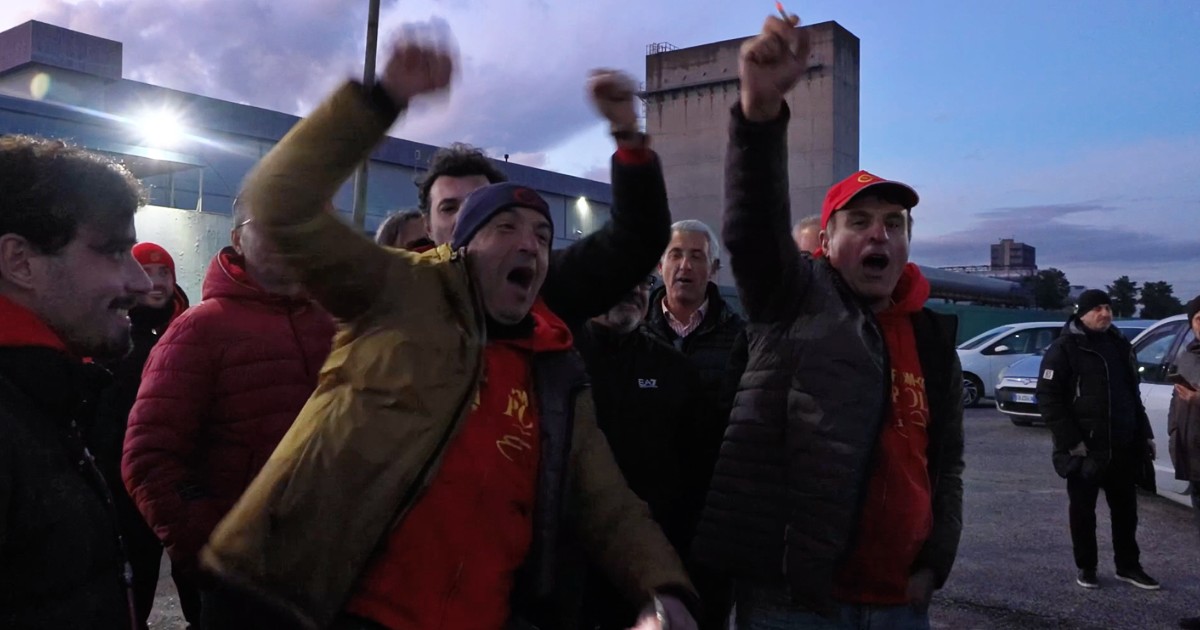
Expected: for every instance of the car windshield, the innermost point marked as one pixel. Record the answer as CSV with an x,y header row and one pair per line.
x,y
1132,329
971,344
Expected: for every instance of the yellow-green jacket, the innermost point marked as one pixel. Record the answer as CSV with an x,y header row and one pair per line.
x,y
394,391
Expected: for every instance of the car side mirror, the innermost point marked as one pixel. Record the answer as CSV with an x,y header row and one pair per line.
x,y
1001,350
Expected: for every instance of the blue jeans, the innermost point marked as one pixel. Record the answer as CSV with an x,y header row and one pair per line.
x,y
771,608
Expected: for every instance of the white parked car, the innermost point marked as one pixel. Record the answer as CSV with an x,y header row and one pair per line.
x,y
985,356
1157,349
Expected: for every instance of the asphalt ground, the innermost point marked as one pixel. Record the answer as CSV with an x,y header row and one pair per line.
x,y
1015,568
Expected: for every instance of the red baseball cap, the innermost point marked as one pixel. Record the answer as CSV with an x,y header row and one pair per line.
x,y
842,192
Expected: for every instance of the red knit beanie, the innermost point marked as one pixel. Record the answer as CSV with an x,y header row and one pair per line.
x,y
152,254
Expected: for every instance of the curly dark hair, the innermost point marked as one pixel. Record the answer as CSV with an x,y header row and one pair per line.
x,y
456,160
49,188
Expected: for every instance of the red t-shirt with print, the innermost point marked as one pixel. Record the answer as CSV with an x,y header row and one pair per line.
x,y
897,513
450,562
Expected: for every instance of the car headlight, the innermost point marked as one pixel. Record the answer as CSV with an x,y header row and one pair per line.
x,y
1017,381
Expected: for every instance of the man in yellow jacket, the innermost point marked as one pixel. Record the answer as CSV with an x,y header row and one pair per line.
x,y
449,462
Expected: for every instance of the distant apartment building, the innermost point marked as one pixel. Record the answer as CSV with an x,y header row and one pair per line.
x,y
1010,261
1009,254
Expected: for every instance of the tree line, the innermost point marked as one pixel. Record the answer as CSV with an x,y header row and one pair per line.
x,y
1050,289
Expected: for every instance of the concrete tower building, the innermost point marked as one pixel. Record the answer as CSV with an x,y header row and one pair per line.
x,y
690,91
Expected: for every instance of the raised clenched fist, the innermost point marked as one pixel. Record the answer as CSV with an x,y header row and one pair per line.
x,y
417,67
770,65
612,93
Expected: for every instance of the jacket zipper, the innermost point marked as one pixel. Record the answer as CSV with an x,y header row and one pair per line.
x,y
92,475
299,342
1107,397
434,461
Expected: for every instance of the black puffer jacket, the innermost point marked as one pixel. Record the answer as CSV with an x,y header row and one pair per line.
x,y
791,478
61,566
1073,397
1183,423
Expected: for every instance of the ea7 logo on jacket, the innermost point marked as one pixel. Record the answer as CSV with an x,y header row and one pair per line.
x,y
648,383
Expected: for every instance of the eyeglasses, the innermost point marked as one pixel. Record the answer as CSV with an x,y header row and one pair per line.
x,y
244,223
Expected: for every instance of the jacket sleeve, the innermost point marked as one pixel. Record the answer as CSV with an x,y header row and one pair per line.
x,y
614,525
941,548
289,194
770,273
589,277
165,426
1055,395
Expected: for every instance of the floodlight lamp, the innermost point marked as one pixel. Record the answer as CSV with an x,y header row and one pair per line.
x,y
161,128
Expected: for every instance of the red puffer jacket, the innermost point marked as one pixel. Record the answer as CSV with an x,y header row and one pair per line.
x,y
218,393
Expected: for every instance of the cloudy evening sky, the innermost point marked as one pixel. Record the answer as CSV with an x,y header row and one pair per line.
x,y
1073,126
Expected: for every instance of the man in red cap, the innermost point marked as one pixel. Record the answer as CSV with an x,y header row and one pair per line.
x,y
838,492
155,311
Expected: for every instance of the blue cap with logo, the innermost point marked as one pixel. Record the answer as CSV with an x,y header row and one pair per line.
x,y
480,206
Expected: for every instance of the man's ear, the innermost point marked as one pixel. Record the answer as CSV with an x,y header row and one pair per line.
x,y
824,238
235,239
17,266
716,266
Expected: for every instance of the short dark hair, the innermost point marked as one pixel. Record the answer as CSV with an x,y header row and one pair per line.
x,y
49,188
387,231
456,160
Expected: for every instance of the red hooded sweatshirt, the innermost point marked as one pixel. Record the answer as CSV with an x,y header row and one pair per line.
x,y
897,514
450,562
22,327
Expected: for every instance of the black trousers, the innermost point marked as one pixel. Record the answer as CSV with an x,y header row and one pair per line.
x,y
1120,492
144,553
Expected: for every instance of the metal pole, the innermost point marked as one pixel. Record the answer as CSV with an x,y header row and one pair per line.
x,y
360,175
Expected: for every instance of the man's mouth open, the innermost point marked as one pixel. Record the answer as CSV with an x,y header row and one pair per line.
x,y
876,263
521,277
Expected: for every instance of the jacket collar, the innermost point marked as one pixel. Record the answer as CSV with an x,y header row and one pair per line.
x,y
53,379
22,327
1079,332
718,311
